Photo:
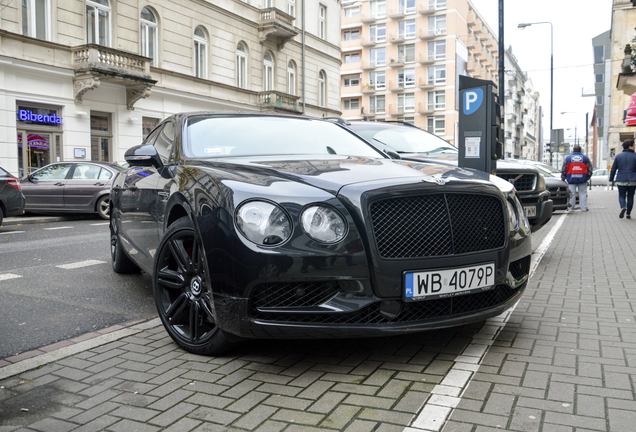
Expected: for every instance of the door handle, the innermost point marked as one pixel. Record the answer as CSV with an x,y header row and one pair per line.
x,y
99,184
59,184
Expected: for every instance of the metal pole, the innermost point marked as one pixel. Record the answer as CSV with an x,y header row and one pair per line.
x,y
501,59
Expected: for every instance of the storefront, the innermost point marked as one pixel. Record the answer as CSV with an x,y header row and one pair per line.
x,y
39,140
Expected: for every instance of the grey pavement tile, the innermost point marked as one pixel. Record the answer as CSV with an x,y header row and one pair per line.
x,y
271,426
126,425
243,388
386,416
327,402
98,425
170,400
284,390
214,415
168,386
394,388
369,401
592,406
53,425
297,369
360,389
411,402
255,418
135,387
210,401
281,401
306,379
361,426
173,414
316,389
138,400
298,417
183,425
133,413
579,421
247,402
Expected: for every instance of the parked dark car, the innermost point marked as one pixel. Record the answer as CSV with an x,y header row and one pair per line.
x,y
413,143
70,187
271,226
559,192
11,197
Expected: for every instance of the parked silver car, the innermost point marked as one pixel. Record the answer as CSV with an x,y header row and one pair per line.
x,y
70,187
600,177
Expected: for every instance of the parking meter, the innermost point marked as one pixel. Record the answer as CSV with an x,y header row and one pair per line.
x,y
480,143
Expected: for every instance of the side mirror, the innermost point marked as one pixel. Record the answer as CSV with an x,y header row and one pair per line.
x,y
31,178
392,154
143,156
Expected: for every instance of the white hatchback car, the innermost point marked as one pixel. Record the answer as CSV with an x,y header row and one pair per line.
x,y
600,177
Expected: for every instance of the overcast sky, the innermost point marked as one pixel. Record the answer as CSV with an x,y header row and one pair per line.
x,y
575,23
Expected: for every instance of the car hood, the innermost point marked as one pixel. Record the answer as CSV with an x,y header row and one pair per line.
x,y
332,172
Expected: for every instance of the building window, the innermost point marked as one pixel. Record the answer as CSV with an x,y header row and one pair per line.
x,y
267,4
147,125
268,71
436,125
437,75
378,80
406,29
322,22
377,56
410,120
437,50
351,104
377,105
291,78
352,12
352,58
35,18
599,54
599,78
291,7
437,25
148,37
436,100
599,122
241,65
437,4
351,35
351,81
406,53
406,102
200,53
378,9
322,89
98,22
407,6
378,33
406,78
599,100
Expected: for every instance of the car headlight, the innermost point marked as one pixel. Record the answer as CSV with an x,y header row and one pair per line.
x,y
523,219
263,223
323,224
513,215
540,183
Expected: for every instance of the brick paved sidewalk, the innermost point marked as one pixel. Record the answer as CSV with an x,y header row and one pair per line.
x,y
561,363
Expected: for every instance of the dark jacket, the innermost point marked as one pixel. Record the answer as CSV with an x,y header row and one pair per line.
x,y
625,164
576,168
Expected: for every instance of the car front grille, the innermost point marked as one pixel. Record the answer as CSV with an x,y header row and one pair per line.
x,y
411,312
524,182
520,268
437,225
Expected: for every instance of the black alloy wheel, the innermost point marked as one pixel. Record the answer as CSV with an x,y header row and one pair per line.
x,y
183,292
121,263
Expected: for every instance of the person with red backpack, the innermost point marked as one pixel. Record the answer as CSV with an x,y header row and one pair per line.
x,y
624,172
576,171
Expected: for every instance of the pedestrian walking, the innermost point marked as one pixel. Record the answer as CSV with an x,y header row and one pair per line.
x,y
576,171
624,173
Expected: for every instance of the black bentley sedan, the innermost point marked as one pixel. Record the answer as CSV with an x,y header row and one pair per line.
x,y
272,226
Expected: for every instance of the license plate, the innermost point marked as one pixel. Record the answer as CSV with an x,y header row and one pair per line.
x,y
530,211
448,283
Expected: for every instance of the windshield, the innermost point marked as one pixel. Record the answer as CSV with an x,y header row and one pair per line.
x,y
270,135
404,139
547,168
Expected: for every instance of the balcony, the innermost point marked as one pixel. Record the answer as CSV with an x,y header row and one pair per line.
x,y
470,42
96,63
396,37
396,110
397,62
278,101
479,29
425,9
397,13
276,26
371,65
368,88
471,20
368,18
427,58
470,66
424,108
368,42
424,84
373,110
396,86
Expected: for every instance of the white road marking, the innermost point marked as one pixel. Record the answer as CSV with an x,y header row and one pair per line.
x,y
12,232
80,264
57,228
8,276
99,224
446,396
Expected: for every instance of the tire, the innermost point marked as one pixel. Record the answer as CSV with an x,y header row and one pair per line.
x,y
103,207
1,216
121,263
183,293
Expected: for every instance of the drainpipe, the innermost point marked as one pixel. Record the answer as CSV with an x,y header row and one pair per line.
x,y
303,55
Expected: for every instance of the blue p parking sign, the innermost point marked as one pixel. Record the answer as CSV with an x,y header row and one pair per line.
x,y
472,100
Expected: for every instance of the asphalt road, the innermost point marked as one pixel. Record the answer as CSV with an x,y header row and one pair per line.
x,y
56,283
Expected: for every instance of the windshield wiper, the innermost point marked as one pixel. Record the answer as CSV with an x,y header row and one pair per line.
x,y
440,149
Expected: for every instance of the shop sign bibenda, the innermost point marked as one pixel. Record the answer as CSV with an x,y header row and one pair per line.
x,y
26,115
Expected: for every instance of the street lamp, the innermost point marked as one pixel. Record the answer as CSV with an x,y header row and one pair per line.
x,y
524,25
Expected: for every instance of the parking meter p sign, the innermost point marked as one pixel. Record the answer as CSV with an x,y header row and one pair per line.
x,y
472,100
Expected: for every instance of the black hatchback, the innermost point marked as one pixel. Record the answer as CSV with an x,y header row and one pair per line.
x,y
11,197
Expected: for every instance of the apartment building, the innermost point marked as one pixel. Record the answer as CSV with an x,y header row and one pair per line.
x,y
88,79
401,60
601,44
522,113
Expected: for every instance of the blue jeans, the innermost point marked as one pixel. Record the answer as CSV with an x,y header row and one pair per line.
x,y
626,197
582,188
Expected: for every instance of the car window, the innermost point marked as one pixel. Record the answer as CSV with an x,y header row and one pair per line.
x,y
4,173
86,172
104,174
271,135
404,139
165,142
52,172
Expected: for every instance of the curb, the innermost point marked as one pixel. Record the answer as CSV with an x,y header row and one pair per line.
x,y
26,220
73,346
